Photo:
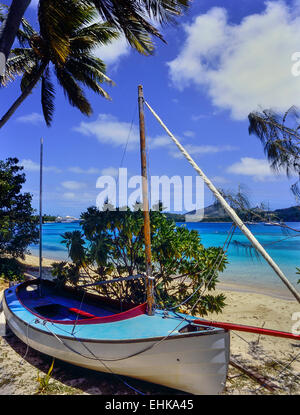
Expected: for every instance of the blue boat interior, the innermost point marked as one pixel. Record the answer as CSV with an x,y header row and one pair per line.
x,y
62,306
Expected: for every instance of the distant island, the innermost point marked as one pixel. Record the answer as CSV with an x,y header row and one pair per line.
x,y
215,213
212,213
57,219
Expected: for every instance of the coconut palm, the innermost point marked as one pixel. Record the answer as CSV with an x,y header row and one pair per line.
x,y
131,17
65,47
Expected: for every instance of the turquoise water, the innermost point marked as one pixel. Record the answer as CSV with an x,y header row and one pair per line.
x,y
242,268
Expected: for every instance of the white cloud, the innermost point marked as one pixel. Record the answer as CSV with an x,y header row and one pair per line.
x,y
258,169
219,179
203,149
79,170
112,53
108,129
73,185
110,171
160,141
33,118
69,195
30,165
242,67
189,133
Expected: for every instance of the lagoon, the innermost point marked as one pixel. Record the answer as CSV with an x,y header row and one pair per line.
x,y
242,269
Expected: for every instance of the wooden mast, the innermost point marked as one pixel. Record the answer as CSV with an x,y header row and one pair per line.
x,y
41,217
147,233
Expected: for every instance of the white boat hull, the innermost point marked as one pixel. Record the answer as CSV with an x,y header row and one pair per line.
x,y
192,363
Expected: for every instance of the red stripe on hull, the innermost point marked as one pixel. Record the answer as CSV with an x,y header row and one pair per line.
x,y
248,329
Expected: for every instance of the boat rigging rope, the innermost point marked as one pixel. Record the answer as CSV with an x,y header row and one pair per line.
x,y
183,319
102,360
27,342
127,140
93,358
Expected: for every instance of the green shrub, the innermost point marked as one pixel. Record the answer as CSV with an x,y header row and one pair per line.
x,y
11,269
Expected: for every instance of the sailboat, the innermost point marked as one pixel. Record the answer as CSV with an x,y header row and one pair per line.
x,y
172,349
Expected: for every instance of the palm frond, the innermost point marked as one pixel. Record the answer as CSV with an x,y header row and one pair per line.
x,y
24,35
98,33
59,22
48,94
20,61
122,13
90,65
87,76
73,91
281,143
30,75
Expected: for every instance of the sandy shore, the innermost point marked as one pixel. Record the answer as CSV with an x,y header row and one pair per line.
x,y
274,357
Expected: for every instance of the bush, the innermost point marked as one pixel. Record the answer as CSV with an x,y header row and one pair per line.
x,y
11,269
112,246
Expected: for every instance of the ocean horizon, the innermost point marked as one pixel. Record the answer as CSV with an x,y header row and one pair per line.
x,y
242,268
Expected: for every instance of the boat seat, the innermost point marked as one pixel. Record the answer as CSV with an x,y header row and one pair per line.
x,y
81,313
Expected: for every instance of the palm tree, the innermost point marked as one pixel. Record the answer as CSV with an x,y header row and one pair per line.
x,y
281,142
127,16
9,28
64,47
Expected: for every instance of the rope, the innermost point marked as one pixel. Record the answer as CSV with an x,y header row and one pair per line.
x,y
94,357
286,367
127,140
27,342
229,210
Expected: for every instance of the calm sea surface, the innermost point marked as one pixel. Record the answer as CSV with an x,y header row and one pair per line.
x,y
242,269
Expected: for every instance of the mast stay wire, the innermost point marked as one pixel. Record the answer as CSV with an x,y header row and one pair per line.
x,y
127,140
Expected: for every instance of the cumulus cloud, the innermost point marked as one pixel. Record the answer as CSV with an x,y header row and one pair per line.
x,y
258,169
243,67
108,129
69,195
110,171
114,51
33,118
73,185
203,149
189,133
79,170
30,165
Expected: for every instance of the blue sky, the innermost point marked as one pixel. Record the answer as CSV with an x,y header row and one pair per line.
x,y
222,60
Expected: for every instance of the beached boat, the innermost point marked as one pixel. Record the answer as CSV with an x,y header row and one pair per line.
x,y
166,348
172,349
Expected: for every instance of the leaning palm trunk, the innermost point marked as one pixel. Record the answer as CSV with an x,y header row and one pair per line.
x,y
10,28
23,96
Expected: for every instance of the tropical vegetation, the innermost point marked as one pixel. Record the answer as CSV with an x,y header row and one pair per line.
x,y
18,227
130,17
112,246
63,46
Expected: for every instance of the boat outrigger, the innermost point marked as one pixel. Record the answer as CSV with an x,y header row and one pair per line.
x,y
160,346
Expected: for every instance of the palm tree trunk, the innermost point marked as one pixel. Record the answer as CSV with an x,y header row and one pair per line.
x,y
9,29
23,96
